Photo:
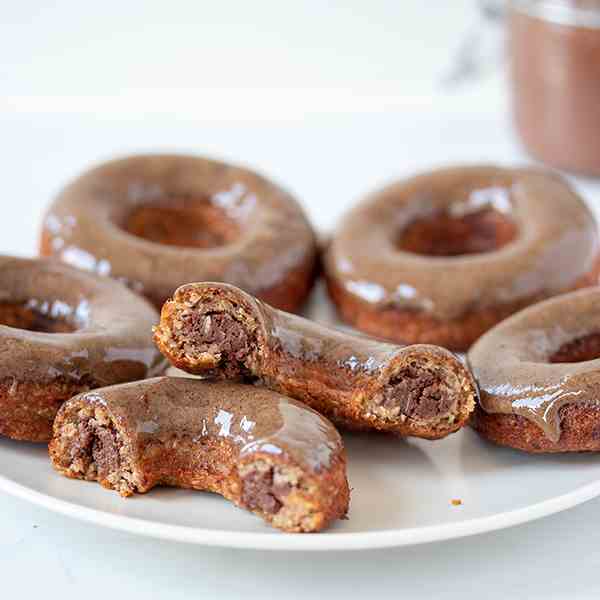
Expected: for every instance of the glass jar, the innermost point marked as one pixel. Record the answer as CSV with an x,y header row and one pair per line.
x,y
554,48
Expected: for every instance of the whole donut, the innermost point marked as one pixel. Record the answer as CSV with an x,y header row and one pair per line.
x,y
444,256
263,451
539,375
158,221
62,332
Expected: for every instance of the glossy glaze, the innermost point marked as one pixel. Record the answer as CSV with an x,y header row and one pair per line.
x,y
86,225
253,419
112,340
335,364
285,340
552,250
512,361
311,342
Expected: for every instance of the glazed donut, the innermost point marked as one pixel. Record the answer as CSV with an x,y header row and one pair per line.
x,y
62,332
157,222
444,256
264,452
539,374
360,383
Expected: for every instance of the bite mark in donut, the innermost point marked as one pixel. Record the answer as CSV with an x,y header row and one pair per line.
x,y
262,451
419,393
217,335
359,383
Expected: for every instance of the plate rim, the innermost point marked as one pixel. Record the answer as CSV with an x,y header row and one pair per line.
x,y
370,540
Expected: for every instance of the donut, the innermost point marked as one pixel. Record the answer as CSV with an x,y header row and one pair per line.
x,y
442,257
62,332
539,374
156,222
260,450
220,331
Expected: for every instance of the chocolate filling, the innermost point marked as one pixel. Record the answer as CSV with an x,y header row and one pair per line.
x,y
216,333
419,394
194,223
97,444
23,316
261,492
443,234
578,350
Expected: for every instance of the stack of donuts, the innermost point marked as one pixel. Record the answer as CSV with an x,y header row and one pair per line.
x,y
155,261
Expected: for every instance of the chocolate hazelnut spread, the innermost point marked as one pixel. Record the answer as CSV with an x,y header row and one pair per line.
x,y
542,359
555,64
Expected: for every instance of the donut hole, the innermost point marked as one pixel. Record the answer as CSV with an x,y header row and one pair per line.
x,y
580,349
191,223
445,233
42,317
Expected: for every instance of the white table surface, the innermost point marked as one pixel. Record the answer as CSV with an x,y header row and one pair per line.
x,y
309,95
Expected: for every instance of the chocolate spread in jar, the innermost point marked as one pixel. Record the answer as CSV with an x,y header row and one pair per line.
x,y
555,65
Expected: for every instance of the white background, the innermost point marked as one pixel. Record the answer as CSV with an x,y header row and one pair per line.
x,y
331,98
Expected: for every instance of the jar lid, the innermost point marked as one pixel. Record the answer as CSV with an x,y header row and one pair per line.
x,y
576,13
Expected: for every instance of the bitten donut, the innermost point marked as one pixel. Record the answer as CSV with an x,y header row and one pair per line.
x,y
360,383
539,373
264,452
62,332
157,222
444,256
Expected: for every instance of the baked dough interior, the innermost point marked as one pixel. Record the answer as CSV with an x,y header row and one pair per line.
x,y
481,223
185,222
213,331
423,391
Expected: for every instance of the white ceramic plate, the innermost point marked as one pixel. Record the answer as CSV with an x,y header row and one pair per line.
x,y
402,494
402,491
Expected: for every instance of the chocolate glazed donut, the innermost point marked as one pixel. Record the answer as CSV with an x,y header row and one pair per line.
x,y
157,222
444,256
539,374
264,452
360,383
62,332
